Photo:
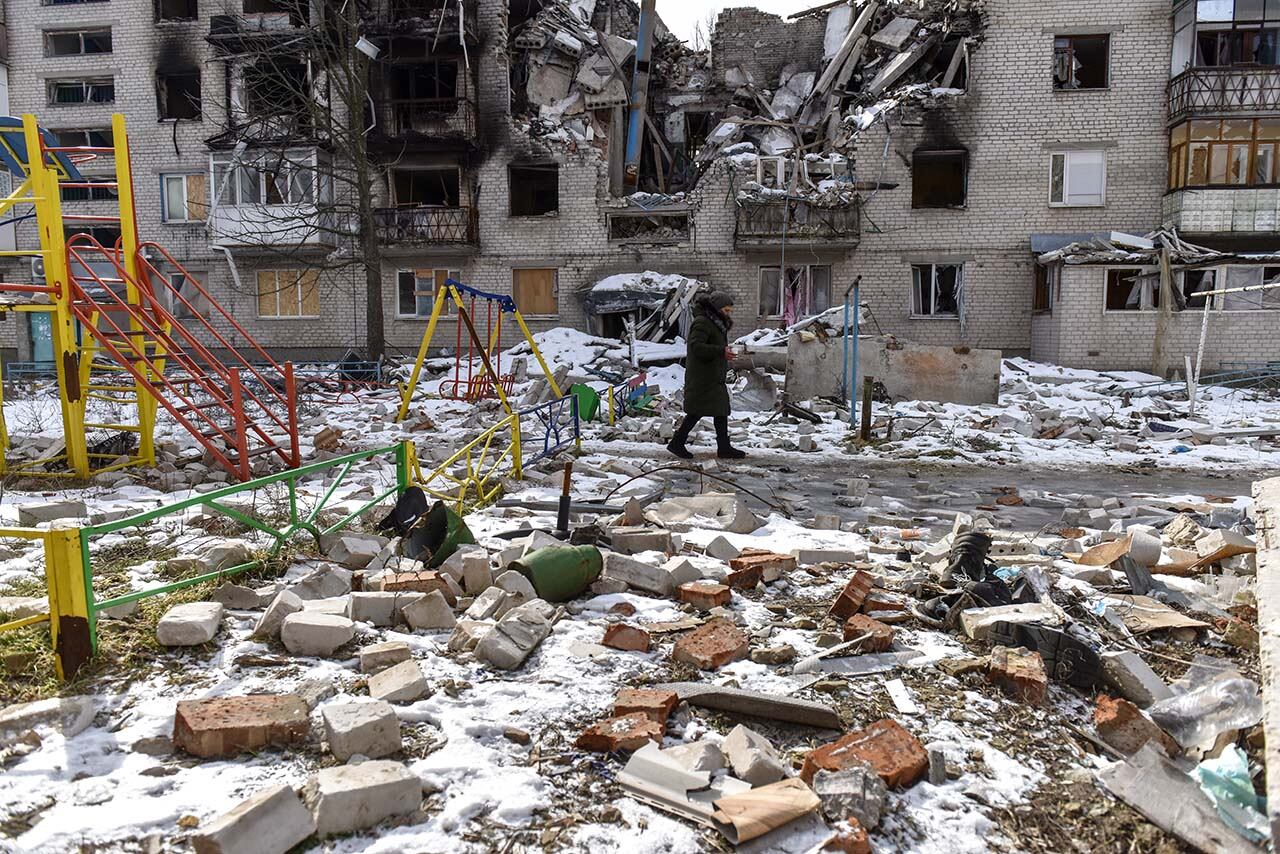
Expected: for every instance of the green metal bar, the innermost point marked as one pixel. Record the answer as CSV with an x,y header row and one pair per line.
x,y
87,566
363,508
291,474
293,504
177,585
245,520
315,511
402,465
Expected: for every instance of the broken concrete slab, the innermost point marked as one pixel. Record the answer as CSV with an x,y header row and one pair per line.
x,y
1130,675
854,791
516,635
212,557
721,549
222,727
325,582
487,604
68,715
361,729
236,597
698,756
977,622
189,624
270,822
725,511
353,797
381,608
776,707
752,757
400,683
637,574
634,540
355,551
308,633
30,515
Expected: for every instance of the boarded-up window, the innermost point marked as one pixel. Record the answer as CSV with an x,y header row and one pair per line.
x,y
186,197
288,293
534,290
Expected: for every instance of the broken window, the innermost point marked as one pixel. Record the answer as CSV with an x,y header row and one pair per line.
x,y
1196,281
288,293
1230,152
177,10
536,290
534,190
418,187
1078,178
939,178
1081,62
1045,279
185,197
105,234
178,95
94,90
77,42
936,289
1240,276
1132,289
90,194
424,81
649,227
276,90
280,182
416,291
183,297
807,291
91,137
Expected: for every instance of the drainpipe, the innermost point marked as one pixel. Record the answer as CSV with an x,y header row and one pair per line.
x,y
639,92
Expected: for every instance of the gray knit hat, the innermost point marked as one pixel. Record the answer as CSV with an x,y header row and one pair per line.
x,y
718,299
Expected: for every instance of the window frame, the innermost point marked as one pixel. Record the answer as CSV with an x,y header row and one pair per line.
x,y
162,95
1066,155
456,275
511,168
1071,37
934,314
1264,136
555,290
1148,280
93,194
185,179
301,273
177,309
806,272
87,85
296,161
48,35
160,18
1046,280
939,154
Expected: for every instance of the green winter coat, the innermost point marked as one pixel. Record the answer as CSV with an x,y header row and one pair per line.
x,y
705,389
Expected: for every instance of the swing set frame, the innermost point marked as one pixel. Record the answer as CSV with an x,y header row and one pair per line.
x,y
454,290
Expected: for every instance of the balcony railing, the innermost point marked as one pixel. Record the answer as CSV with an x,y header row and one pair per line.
x,y
426,225
434,118
767,222
1223,91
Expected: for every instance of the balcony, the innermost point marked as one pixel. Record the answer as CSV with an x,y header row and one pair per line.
x,y
271,226
428,118
1224,210
1216,92
426,226
769,223
418,17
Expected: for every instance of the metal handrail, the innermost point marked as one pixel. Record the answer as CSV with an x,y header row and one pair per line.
x,y
1219,91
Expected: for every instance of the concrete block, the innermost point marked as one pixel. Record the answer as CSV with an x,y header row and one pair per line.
x,y
432,612
855,791
468,633
355,551
286,602
380,656
977,622
477,577
682,571
752,757
638,575
634,540
400,683
30,515
381,609
338,606
306,633
189,624
516,635
354,797
324,582
234,596
371,730
721,549
68,715
270,822
486,605
516,584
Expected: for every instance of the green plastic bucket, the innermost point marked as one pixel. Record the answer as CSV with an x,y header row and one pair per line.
x,y
588,401
559,573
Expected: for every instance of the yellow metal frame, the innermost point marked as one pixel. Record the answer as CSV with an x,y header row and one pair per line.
x,y
437,309
73,360
68,616
480,461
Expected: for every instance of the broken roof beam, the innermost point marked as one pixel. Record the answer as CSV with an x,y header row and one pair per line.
x,y
804,13
823,84
900,65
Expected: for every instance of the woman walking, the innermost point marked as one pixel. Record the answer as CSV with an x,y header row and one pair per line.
x,y
705,389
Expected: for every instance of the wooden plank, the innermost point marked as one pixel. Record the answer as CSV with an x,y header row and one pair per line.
x,y
197,196
267,293
846,47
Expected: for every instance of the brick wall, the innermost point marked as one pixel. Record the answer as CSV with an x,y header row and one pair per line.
x,y
763,44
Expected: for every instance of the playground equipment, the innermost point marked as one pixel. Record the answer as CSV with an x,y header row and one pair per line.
x,y
465,383
115,333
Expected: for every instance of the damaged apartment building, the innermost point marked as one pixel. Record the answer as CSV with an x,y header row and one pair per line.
x,y
973,161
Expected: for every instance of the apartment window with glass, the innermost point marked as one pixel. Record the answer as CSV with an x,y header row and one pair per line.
x,y
1223,153
288,294
186,197
1078,178
77,42
93,90
936,289
807,291
416,291
1081,62
278,183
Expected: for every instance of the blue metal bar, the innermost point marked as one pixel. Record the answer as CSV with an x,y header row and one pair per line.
x,y
853,384
505,302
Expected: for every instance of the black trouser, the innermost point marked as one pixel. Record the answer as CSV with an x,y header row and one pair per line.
x,y
721,423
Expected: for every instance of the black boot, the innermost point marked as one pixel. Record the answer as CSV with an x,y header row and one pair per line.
x,y
724,450
676,445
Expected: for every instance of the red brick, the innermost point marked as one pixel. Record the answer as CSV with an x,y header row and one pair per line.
x,y
895,754
1122,725
628,732
1019,673
770,564
712,645
419,582
704,594
745,578
654,704
626,609
629,638
860,624
851,841
879,600
222,727
850,600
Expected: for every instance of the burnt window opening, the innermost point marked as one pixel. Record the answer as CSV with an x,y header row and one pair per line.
x,y
534,190
297,10
93,137
1194,282
435,81
177,10
178,95
90,194
77,42
936,290
425,187
652,227
939,179
1081,62
275,90
696,128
